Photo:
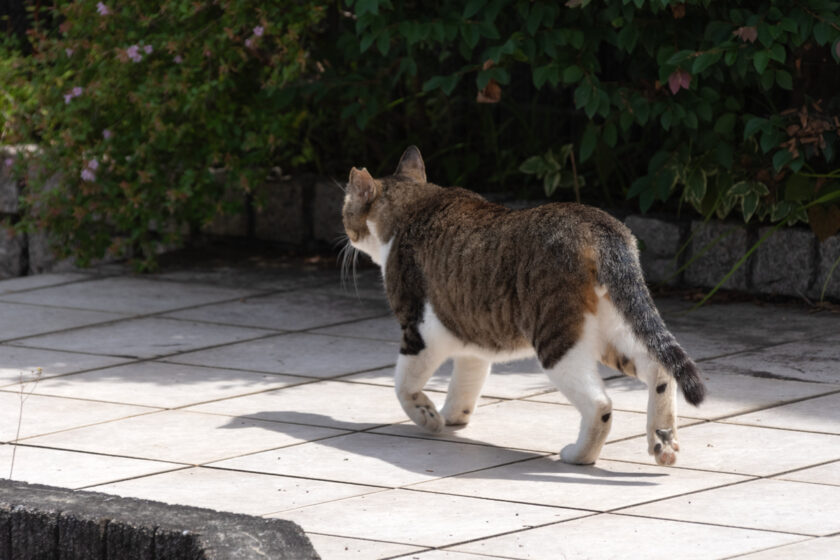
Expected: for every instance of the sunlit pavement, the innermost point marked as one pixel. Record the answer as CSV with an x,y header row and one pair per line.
x,y
269,392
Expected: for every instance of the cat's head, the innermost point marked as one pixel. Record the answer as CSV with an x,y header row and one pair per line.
x,y
365,202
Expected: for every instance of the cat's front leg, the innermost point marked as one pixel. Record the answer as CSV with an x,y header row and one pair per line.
x,y
412,374
468,376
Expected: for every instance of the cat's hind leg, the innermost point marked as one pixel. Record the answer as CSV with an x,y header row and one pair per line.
x,y
661,413
468,376
576,376
411,375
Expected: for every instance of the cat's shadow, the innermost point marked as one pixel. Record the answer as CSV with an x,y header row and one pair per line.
x,y
531,466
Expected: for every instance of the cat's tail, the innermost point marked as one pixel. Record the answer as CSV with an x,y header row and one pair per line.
x,y
620,272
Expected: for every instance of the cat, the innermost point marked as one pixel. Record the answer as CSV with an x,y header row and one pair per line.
x,y
479,283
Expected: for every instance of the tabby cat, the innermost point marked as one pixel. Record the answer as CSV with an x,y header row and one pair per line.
x,y
476,282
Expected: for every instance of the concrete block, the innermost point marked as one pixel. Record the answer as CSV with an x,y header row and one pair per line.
x,y
41,255
328,199
660,241
784,262
12,249
722,245
9,189
62,523
279,212
829,253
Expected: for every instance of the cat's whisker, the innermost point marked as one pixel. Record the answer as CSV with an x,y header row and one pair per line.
x,y
337,184
349,256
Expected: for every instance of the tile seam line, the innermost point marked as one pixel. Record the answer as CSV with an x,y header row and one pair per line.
x,y
138,477
23,439
307,330
742,527
467,555
774,547
101,454
58,285
330,501
60,375
377,487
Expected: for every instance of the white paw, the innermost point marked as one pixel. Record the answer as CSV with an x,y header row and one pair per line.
x,y
663,446
456,415
573,455
422,412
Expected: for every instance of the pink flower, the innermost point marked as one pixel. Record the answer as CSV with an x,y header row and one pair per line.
x,y
8,162
93,165
77,91
249,43
679,79
88,175
178,59
148,49
69,52
106,134
67,98
102,9
258,31
133,52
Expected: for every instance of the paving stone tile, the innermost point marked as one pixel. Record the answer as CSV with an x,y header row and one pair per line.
x,y
738,449
237,492
604,486
343,548
526,425
381,328
365,284
349,406
423,519
292,311
807,360
720,329
258,279
161,384
449,555
727,394
820,414
183,437
619,537
39,281
44,415
772,505
21,364
68,469
817,548
18,320
375,459
126,294
823,474
298,354
142,338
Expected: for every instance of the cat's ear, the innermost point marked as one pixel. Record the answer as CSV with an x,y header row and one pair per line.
x,y
411,165
362,185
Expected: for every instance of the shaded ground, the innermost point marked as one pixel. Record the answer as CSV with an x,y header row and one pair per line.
x,y
253,383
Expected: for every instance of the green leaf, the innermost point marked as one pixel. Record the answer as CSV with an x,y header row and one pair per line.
x,y
748,206
472,8
705,60
534,18
471,34
533,165
383,42
541,74
760,60
695,183
784,79
366,42
588,142
741,188
725,124
777,53
822,33
753,125
767,79
572,74
781,158
625,120
780,211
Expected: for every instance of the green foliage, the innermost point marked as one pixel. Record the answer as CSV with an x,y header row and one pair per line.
x,y
138,102
717,105
555,173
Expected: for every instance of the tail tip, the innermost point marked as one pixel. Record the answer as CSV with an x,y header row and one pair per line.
x,y
692,387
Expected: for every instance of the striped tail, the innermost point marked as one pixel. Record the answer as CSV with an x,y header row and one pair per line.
x,y
619,270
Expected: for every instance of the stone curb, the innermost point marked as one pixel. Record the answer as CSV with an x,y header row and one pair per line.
x,y
46,522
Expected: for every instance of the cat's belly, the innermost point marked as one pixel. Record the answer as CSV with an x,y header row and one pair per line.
x,y
440,339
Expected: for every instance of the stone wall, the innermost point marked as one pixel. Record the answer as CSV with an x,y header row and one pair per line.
x,y
305,212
